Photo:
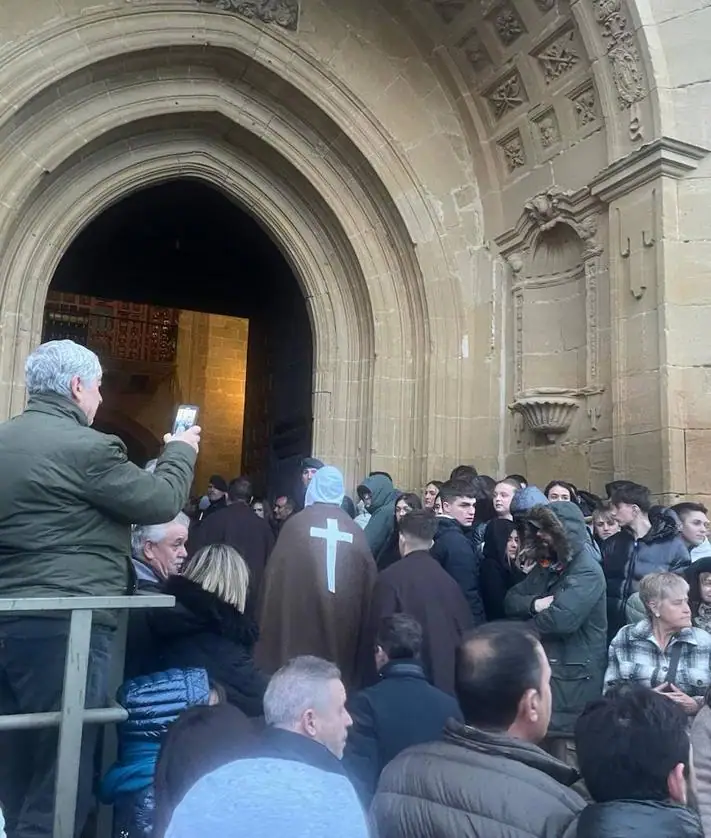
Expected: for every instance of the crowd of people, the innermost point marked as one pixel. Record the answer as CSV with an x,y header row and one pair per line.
x,y
482,658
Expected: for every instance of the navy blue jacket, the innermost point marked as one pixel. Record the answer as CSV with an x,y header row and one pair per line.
x,y
454,550
403,709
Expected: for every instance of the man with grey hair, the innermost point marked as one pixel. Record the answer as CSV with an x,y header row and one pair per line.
x,y
66,512
293,782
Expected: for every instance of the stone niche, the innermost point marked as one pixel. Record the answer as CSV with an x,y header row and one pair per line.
x,y
555,381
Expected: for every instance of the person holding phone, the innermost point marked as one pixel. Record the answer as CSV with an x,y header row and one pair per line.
x,y
66,510
663,651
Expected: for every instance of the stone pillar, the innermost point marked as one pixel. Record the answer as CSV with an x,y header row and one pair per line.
x,y
657,355
211,372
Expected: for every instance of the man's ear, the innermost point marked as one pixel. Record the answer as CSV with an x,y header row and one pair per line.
x,y
677,784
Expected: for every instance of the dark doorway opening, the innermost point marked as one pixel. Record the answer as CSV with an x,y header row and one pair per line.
x,y
185,245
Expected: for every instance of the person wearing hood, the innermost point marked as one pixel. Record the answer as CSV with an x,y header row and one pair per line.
x,y
564,598
318,585
380,497
649,542
499,567
699,578
309,467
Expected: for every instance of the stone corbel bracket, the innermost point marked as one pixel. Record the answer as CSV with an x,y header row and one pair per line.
x,y
549,411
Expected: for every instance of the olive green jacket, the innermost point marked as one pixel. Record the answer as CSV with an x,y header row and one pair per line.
x,y
68,497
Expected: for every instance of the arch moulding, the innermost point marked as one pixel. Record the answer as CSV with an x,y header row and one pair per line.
x,y
351,234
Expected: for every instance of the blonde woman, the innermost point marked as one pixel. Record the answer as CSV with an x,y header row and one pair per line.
x,y
208,627
663,651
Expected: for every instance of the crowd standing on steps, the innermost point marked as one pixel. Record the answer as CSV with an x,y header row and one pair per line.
x,y
486,658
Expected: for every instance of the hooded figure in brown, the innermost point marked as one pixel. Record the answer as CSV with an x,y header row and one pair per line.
x,y
318,585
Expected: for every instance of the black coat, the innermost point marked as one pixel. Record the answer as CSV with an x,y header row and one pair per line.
x,y
573,630
626,562
417,585
497,574
238,526
381,730
646,818
203,631
453,549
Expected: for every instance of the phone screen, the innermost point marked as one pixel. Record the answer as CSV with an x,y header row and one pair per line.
x,y
185,417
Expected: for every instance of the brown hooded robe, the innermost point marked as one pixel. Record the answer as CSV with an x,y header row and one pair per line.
x,y
316,594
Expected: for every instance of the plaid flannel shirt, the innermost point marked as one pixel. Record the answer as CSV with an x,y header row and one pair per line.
x,y
635,656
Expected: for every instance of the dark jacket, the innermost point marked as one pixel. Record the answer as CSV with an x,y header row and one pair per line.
x,y
454,551
153,703
497,575
203,631
573,630
475,784
418,585
381,730
66,514
141,648
646,818
238,526
382,511
626,561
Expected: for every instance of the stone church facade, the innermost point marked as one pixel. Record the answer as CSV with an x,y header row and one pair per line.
x,y
498,210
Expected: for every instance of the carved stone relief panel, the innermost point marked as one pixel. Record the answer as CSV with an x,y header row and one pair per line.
x,y
559,56
513,152
448,10
507,24
546,5
547,129
475,52
506,95
279,12
622,51
585,105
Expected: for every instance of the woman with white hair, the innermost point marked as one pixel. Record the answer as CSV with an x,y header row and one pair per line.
x,y
208,628
663,651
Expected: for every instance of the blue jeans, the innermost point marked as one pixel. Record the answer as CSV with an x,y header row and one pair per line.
x,y
32,656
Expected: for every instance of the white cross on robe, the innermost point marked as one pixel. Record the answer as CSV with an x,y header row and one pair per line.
x,y
332,536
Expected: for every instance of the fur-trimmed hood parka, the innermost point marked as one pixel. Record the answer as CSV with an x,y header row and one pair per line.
x,y
573,629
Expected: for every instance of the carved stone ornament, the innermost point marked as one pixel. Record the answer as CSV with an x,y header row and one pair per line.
x,y
622,51
546,5
507,95
279,12
547,411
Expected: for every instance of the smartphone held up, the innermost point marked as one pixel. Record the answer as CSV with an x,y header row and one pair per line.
x,y
185,417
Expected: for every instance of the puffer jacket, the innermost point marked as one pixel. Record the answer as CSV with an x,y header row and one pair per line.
x,y
627,561
382,512
153,703
646,818
475,783
573,630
